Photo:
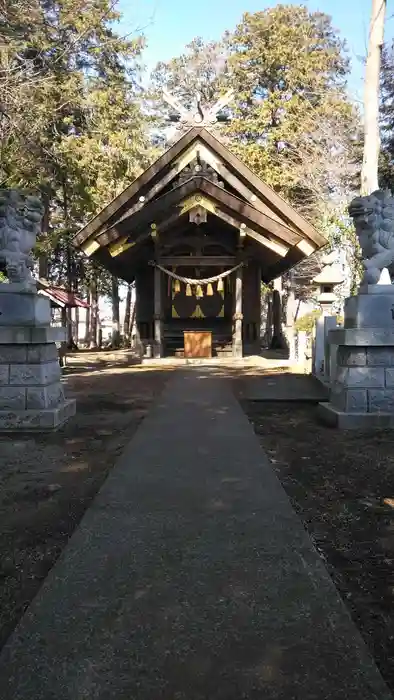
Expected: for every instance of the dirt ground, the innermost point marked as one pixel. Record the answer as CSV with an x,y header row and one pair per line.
x,y
48,481
342,486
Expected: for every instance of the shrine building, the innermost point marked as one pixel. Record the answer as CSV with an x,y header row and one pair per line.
x,y
198,233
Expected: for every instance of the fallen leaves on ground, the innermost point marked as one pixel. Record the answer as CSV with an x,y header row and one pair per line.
x,y
342,486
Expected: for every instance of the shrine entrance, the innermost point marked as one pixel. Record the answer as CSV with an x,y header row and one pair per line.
x,y
198,233
199,307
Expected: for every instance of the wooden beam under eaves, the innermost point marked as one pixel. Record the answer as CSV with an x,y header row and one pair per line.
x,y
195,260
119,246
275,246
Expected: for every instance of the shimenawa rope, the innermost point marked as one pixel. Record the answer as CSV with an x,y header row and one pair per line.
x,y
190,280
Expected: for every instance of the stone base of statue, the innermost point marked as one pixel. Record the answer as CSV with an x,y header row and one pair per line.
x,y
362,393
31,392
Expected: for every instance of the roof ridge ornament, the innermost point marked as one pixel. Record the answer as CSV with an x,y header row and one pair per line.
x,y
208,115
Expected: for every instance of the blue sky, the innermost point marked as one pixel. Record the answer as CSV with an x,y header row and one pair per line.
x,y
170,24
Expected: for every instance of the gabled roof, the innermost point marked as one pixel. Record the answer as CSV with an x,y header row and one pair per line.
x,y
269,199
227,189
160,207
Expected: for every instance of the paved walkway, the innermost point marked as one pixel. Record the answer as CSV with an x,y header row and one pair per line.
x,y
190,578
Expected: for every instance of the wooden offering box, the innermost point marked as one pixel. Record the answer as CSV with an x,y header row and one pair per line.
x,y
197,343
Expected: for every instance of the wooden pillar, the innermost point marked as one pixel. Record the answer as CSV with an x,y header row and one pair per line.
x,y
238,316
259,293
158,323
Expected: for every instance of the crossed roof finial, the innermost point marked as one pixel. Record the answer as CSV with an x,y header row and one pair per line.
x,y
206,115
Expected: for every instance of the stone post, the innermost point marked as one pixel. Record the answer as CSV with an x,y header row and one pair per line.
x,y
321,356
238,316
302,351
158,324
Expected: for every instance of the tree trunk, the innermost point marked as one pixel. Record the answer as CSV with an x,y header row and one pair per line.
x,y
93,313
132,319
64,317
126,325
369,171
75,325
69,327
70,266
87,321
69,286
67,324
277,341
43,266
115,313
43,263
69,254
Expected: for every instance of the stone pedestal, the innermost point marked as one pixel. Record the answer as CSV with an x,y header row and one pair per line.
x,y
31,393
237,344
362,394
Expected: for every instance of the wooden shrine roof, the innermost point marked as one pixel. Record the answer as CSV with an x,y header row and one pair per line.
x,y
162,196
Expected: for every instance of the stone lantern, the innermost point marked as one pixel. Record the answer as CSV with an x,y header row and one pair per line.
x,y
328,278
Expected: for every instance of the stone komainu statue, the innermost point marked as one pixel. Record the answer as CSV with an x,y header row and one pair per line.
x,y
20,219
373,217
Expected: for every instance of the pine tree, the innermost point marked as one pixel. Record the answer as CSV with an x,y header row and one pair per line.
x,y
75,129
289,69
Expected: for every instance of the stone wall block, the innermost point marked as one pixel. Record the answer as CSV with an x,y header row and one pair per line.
x,y
337,395
351,356
389,377
380,357
24,335
369,311
17,421
29,310
12,353
12,398
342,373
356,401
349,400
381,400
4,374
45,396
361,377
42,353
364,337
35,374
